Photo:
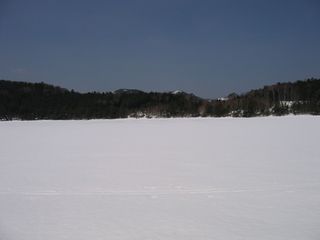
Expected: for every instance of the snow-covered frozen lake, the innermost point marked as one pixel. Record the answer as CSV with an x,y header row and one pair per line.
x,y
174,179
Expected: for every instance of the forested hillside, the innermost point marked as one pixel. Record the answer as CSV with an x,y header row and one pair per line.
x,y
20,100
28,101
300,97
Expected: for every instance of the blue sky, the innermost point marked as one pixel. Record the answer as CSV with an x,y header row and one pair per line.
x,y
210,48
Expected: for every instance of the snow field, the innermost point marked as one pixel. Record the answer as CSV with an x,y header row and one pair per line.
x,y
227,178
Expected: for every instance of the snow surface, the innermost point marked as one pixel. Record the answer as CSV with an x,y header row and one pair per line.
x,y
177,92
176,179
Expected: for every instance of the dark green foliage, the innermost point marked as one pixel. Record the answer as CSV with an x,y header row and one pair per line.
x,y
220,109
280,110
28,101
280,99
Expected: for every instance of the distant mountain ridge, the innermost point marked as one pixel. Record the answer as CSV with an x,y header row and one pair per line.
x,y
30,101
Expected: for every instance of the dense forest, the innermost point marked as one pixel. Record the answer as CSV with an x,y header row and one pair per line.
x,y
29,101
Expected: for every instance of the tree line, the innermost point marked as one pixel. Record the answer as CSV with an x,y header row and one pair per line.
x,y
29,101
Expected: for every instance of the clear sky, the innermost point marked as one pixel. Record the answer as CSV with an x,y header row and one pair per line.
x,y
210,48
